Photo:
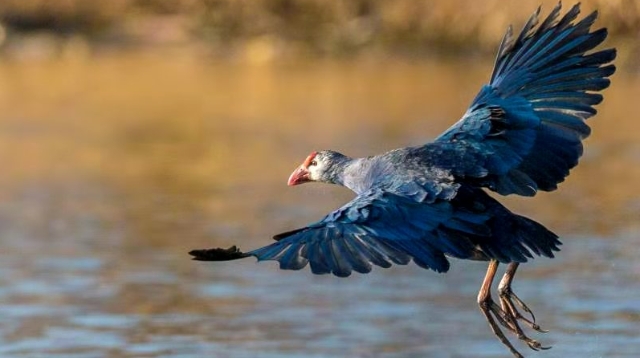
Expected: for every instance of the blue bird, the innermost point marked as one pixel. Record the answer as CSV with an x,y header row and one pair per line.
x,y
522,133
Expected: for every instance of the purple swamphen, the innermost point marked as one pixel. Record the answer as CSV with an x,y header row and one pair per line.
x,y
522,133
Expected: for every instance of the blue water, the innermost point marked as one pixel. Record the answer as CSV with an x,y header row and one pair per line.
x,y
103,192
62,299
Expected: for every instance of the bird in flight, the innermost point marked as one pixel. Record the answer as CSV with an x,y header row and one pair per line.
x,y
522,133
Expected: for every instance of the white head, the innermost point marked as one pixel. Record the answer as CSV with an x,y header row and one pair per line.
x,y
323,166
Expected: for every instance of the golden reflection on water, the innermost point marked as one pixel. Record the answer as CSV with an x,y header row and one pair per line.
x,y
177,142
115,167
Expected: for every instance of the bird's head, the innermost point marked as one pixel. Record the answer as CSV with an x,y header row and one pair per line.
x,y
324,166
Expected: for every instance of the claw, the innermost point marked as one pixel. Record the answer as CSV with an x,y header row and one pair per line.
x,y
508,306
506,314
508,298
519,302
537,328
533,344
491,310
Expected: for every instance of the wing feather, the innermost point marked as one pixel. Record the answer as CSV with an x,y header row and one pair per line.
x,y
524,130
381,228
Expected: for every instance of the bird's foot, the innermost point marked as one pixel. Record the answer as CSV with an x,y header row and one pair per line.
x,y
507,300
496,315
506,314
493,313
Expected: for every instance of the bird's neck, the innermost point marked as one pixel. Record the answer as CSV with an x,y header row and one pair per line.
x,y
354,174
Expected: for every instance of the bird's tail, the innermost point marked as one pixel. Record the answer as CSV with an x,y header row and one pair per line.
x,y
516,238
512,238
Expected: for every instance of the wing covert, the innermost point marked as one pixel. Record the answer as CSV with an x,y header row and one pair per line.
x,y
378,228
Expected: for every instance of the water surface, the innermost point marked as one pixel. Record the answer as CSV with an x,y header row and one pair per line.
x,y
114,167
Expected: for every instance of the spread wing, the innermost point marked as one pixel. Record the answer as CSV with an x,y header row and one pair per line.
x,y
383,228
523,131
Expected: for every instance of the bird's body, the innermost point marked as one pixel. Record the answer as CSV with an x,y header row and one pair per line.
x,y
522,133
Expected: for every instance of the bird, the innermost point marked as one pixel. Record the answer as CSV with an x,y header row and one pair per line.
x,y
430,203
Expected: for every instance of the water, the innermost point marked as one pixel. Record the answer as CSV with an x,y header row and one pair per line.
x,y
115,167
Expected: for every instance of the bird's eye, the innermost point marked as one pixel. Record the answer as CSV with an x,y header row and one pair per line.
x,y
313,163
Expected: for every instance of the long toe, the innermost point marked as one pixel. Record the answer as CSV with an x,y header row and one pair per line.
x,y
490,312
513,316
507,299
532,343
512,297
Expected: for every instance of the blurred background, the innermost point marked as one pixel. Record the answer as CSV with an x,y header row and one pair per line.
x,y
132,131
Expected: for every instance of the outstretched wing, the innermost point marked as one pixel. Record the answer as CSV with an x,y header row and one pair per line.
x,y
523,131
382,228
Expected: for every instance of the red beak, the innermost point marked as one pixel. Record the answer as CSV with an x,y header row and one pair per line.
x,y
299,176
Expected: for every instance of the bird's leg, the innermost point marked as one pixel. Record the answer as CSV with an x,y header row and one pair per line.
x,y
507,299
490,309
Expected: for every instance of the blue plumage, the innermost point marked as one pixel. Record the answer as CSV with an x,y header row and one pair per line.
x,y
366,232
540,85
522,133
